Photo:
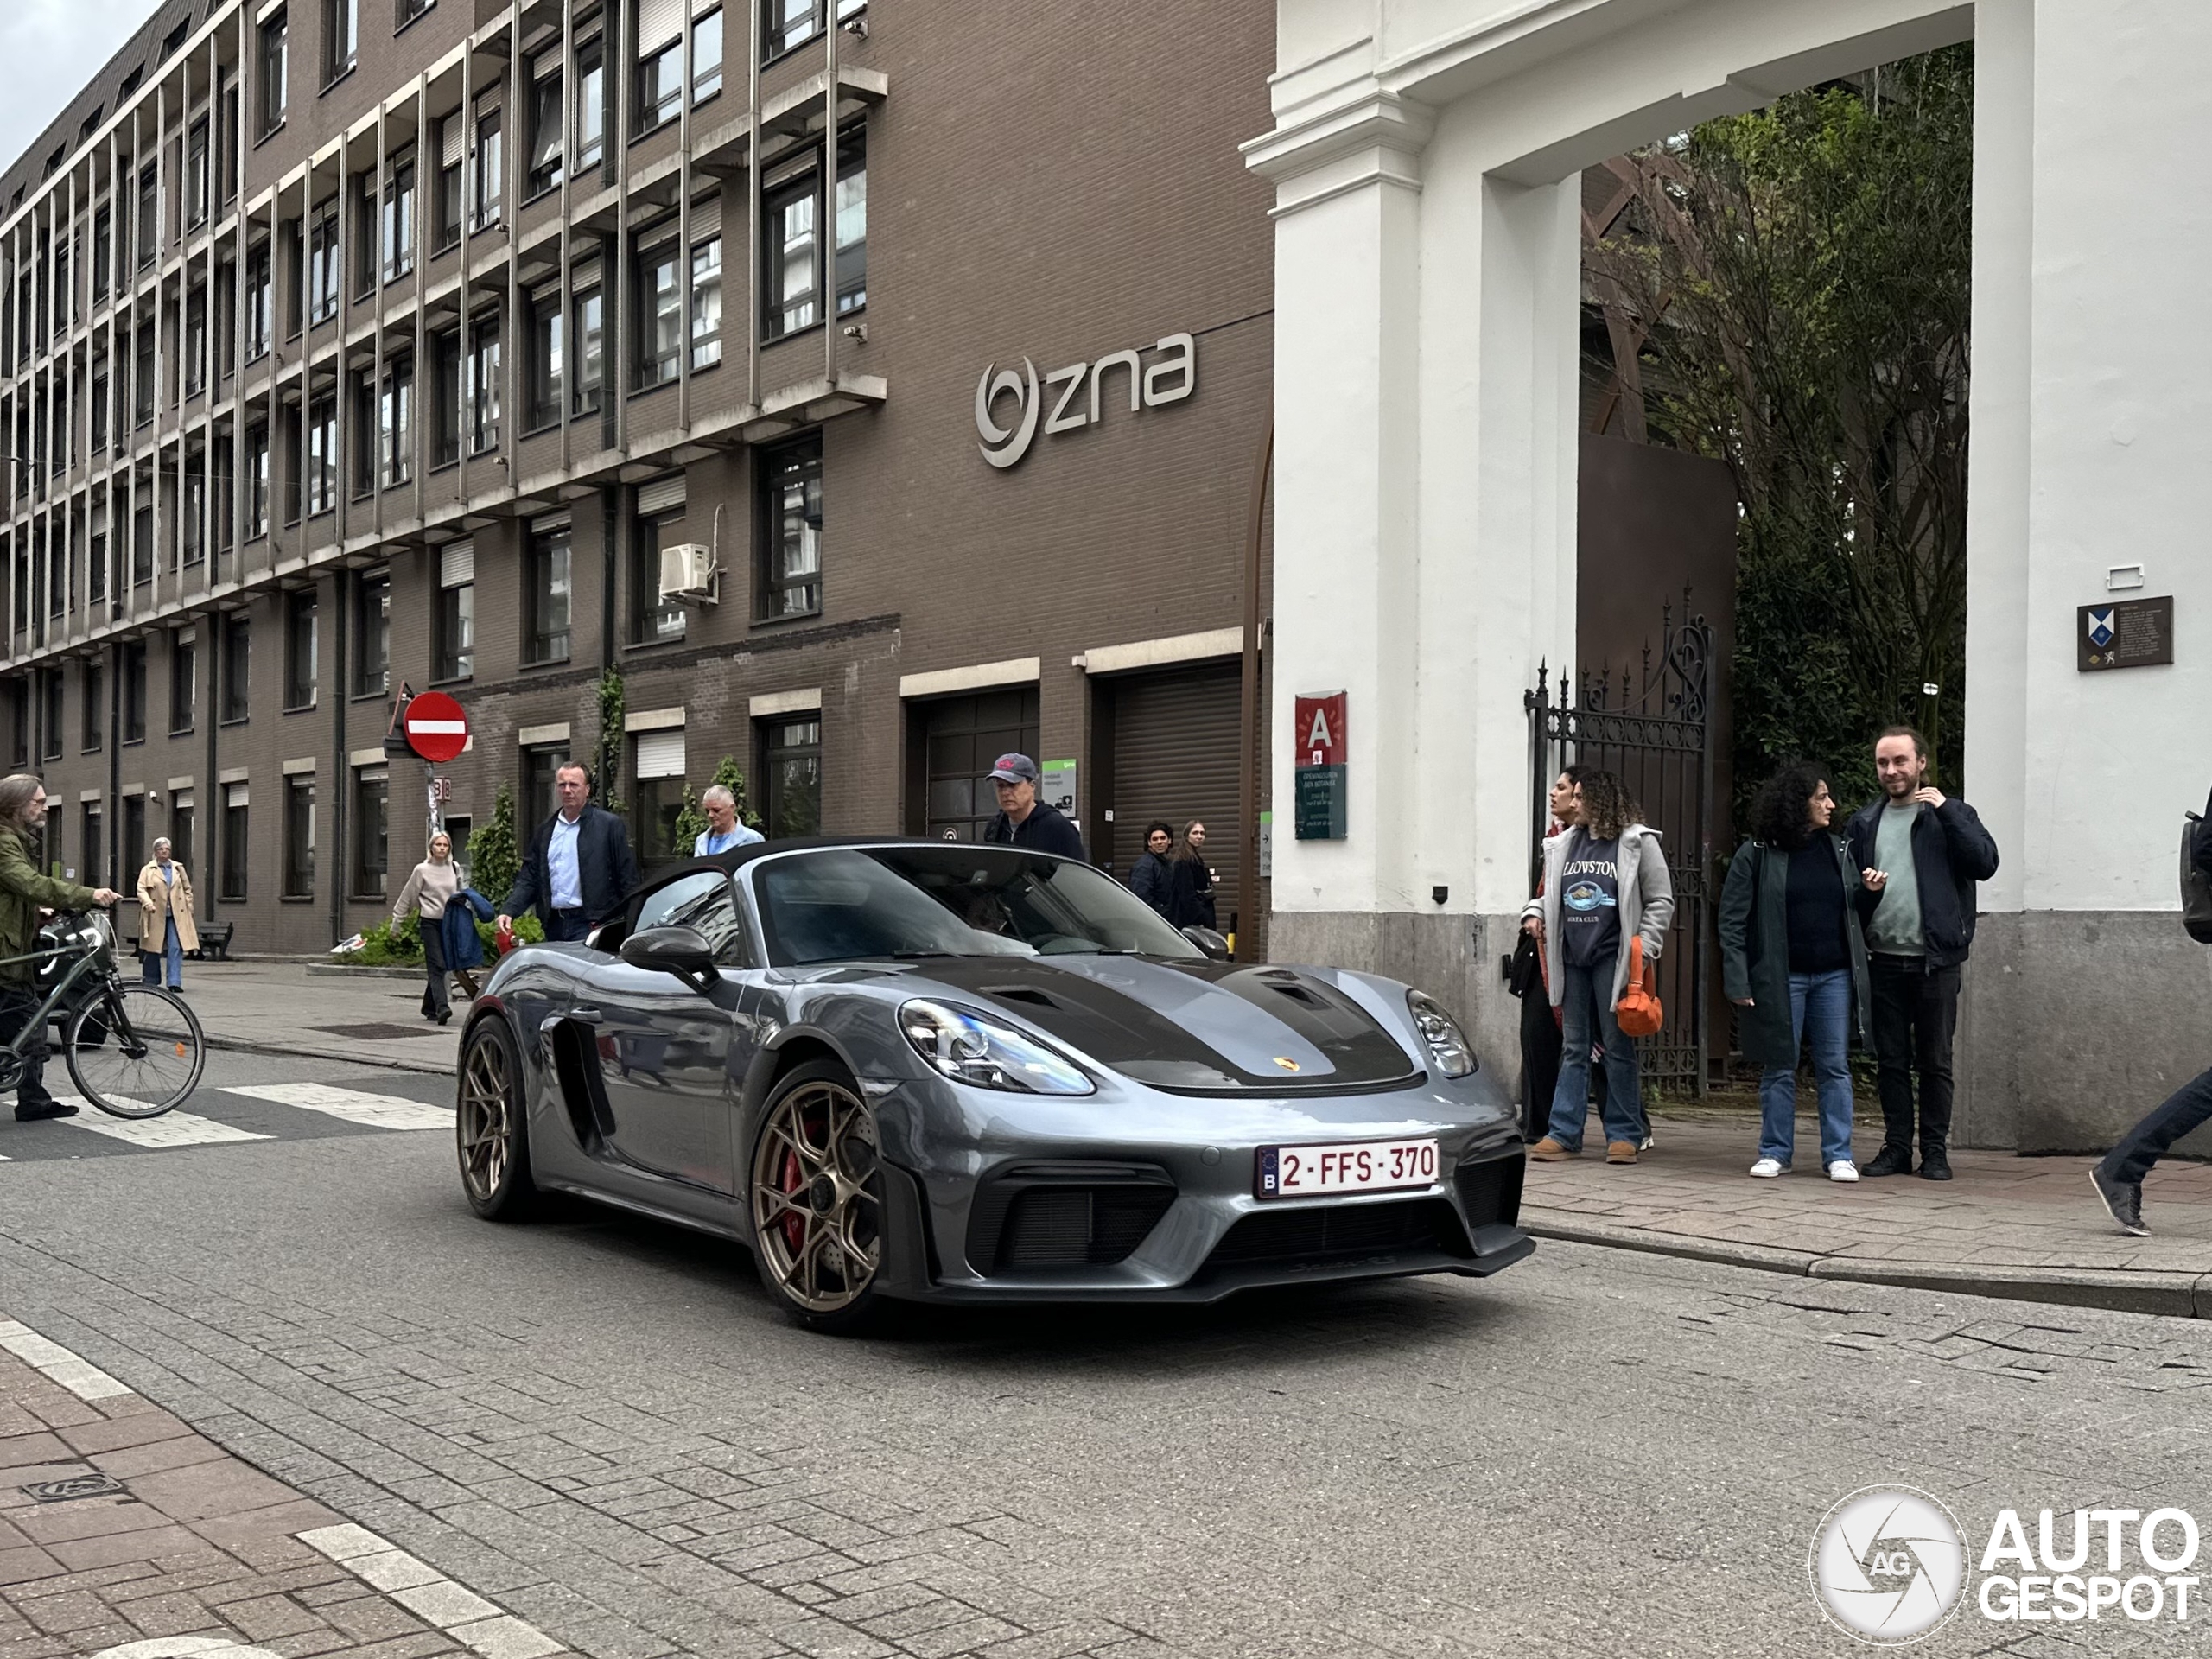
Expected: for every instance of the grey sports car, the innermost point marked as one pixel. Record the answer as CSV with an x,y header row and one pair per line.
x,y
942,1072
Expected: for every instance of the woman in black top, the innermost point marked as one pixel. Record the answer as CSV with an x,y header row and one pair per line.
x,y
1190,880
1795,965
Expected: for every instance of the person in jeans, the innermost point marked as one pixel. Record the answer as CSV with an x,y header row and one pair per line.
x,y
23,893
1793,963
1919,852
166,930
2118,1178
1605,882
431,886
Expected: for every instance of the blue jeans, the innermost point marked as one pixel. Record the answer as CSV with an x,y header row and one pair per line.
x,y
1586,1015
171,954
1820,1007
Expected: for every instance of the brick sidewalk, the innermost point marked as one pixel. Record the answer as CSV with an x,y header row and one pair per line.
x,y
2029,1228
117,1524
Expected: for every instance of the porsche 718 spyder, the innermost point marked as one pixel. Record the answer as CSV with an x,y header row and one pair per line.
x,y
944,1072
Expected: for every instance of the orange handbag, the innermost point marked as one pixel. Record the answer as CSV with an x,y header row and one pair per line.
x,y
1639,1012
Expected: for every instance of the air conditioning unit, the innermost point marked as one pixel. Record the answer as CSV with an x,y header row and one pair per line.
x,y
689,574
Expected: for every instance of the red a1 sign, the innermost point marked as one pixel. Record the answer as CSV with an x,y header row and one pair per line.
x,y
1317,731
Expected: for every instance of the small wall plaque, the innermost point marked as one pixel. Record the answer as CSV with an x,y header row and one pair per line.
x,y
2125,633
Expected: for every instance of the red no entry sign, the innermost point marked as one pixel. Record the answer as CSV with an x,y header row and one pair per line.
x,y
436,728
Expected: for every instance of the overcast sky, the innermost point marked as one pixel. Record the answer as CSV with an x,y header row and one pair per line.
x,y
48,48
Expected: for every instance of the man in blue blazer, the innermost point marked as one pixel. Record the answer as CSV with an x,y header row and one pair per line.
x,y
579,867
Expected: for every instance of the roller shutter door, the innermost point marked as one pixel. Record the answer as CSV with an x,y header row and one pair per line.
x,y
1175,749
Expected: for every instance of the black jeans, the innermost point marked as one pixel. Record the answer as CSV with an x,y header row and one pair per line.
x,y
2189,1107
1916,1016
566,926
18,1004
434,999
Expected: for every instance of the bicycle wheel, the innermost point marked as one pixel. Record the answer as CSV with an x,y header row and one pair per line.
x,y
136,1050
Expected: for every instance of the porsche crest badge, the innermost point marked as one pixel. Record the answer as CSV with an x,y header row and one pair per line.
x,y
1286,1065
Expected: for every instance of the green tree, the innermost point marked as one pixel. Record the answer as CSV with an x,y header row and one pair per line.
x,y
1803,274
494,854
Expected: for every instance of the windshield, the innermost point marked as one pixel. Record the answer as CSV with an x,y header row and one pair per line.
x,y
842,903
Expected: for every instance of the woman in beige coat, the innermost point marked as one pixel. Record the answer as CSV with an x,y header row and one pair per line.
x,y
165,928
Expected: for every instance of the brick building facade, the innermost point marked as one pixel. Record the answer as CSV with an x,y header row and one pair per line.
x,y
351,343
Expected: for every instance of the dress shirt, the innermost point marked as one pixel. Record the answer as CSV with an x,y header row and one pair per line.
x,y
561,864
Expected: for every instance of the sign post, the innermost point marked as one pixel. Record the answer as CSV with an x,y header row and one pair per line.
x,y
437,729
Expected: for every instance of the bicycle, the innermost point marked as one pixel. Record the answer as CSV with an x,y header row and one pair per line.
x,y
133,1050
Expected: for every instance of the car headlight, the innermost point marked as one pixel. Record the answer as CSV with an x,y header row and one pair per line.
x,y
1447,1043
968,1048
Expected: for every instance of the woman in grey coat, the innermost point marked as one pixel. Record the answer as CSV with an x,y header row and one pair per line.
x,y
1605,882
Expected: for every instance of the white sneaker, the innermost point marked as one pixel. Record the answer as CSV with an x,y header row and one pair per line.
x,y
1843,1169
1767,1168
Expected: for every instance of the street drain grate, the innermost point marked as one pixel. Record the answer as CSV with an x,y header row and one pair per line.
x,y
378,1031
61,1492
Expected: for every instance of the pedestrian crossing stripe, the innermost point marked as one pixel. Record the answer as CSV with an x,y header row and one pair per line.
x,y
171,1129
353,1105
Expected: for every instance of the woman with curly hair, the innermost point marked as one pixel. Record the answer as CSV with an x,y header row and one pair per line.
x,y
1795,964
1605,882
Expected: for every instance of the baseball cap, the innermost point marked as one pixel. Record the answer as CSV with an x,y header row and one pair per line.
x,y
1014,769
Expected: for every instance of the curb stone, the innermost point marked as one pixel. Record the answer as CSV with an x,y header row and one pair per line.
x,y
2177,1295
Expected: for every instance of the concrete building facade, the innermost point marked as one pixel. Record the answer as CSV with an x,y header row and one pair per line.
x,y
351,343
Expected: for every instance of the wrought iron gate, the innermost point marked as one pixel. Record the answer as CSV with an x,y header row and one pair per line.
x,y
1656,733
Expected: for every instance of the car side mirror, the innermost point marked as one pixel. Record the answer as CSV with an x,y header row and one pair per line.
x,y
683,951
1207,940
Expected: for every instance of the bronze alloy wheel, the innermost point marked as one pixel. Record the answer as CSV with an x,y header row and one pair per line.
x,y
817,1215
488,1124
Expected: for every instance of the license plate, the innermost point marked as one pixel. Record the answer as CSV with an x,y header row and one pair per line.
x,y
1347,1166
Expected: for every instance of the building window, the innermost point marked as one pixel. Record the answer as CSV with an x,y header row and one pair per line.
x,y
453,147
538,765
791,772
273,94
134,692
395,423
235,804
341,36
456,643
852,222
19,720
96,554
195,174
546,118
484,385
370,831
141,379
322,262
792,212
489,168
195,342
371,632
260,292
141,538
95,690
660,67
149,216
133,827
237,667
299,836
363,427
706,56
399,220
446,417
193,506
102,418
103,251
659,523
790,584
184,682
660,314
591,106
411,9
657,800
545,364
322,454
54,691
790,23
546,597
301,674
181,826
706,303
88,819
591,352
364,232
256,479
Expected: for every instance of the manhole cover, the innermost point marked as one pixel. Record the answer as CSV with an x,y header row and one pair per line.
x,y
61,1492
378,1031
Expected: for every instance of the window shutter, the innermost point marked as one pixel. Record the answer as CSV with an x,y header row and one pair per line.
x,y
662,495
454,138
457,565
660,22
660,754
181,800
706,220
234,795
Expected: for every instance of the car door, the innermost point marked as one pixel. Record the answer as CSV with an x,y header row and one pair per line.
x,y
665,1048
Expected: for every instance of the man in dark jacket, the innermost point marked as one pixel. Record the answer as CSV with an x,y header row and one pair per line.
x,y
2118,1178
1025,821
1150,878
579,867
1919,852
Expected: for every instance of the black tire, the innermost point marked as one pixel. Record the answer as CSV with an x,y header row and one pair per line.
x,y
491,1124
136,1050
814,1200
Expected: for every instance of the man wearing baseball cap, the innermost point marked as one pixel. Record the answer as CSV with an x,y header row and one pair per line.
x,y
1025,821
